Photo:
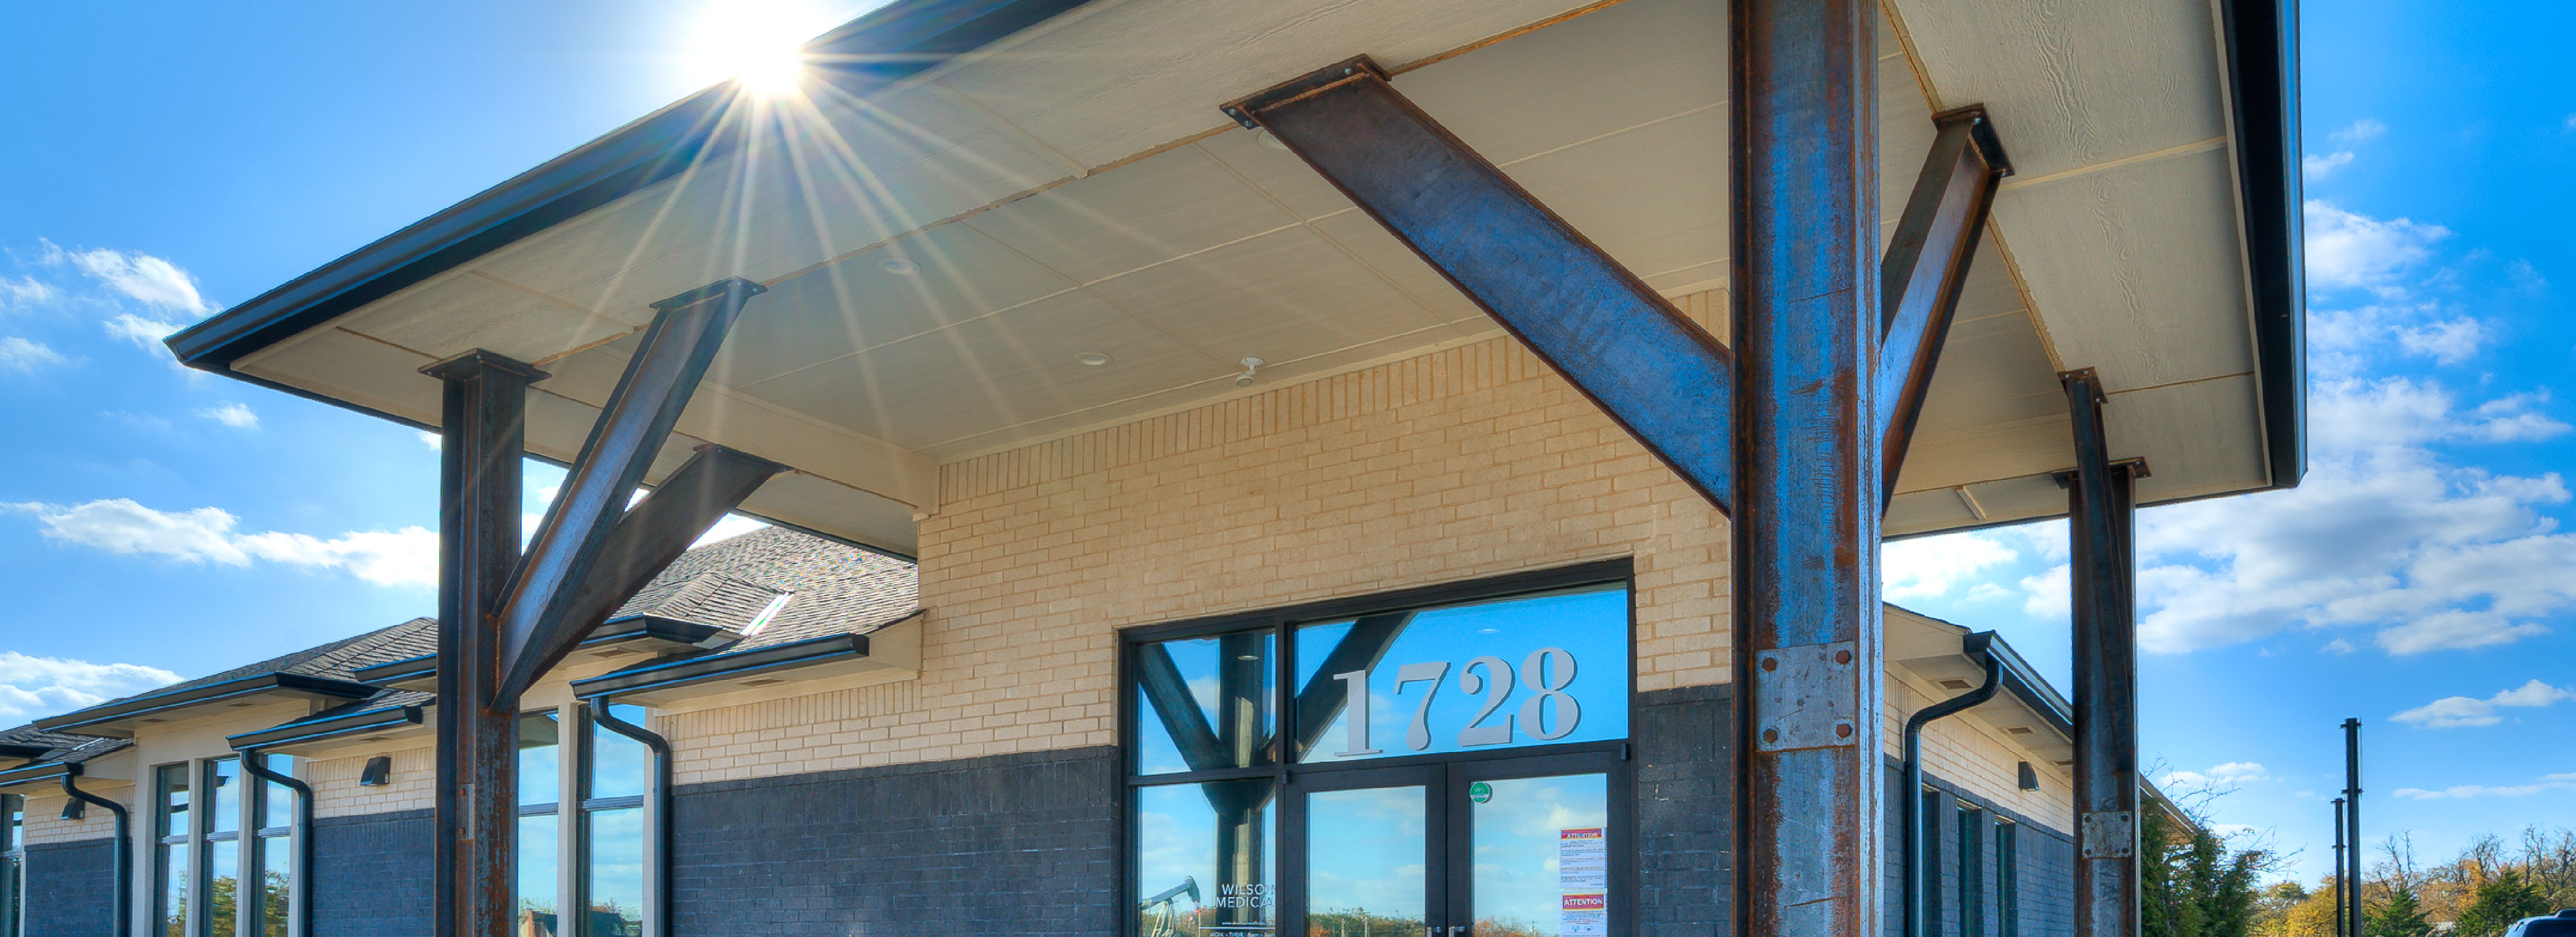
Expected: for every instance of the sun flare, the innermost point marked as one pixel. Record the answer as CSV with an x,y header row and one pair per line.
x,y
759,43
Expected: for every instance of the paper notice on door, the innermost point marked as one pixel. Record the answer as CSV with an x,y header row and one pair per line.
x,y
1585,915
1583,879
1582,861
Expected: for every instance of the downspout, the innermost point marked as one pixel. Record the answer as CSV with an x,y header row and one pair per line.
x,y
124,854
665,831
256,762
1979,646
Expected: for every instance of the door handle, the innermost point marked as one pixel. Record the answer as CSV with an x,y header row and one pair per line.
x,y
1454,929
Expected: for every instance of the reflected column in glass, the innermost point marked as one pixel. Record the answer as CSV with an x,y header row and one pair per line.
x,y
1204,859
1365,862
1542,852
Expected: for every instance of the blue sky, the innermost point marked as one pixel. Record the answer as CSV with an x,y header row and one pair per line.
x,y
169,159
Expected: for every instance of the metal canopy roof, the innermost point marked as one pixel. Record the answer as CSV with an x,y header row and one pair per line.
x,y
943,235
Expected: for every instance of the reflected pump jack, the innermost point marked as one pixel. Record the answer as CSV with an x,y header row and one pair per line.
x,y
1168,902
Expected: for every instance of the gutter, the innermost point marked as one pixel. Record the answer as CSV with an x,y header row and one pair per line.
x,y
124,849
695,670
898,41
315,730
256,762
94,720
665,841
1981,646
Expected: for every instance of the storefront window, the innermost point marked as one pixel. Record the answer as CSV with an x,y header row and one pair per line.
x,y
209,827
13,865
1972,872
540,780
170,865
2007,880
620,773
1502,714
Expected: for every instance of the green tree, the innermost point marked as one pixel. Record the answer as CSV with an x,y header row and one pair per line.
x,y
2192,884
2502,900
2402,915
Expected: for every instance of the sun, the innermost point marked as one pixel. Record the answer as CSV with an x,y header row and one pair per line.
x,y
759,43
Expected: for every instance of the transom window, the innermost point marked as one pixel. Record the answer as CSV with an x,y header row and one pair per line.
x,y
1426,713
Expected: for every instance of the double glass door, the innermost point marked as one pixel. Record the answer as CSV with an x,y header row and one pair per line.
x,y
1497,847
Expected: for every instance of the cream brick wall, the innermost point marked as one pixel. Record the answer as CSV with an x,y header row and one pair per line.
x,y
1978,757
335,783
1467,462
45,807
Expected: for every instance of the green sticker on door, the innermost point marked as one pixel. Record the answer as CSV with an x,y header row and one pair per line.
x,y
1480,792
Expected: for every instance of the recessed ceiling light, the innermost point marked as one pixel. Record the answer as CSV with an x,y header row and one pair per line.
x,y
1273,142
1092,358
899,266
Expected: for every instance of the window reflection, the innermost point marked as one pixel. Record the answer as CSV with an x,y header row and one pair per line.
x,y
1204,859
536,907
616,844
619,766
538,748
1205,703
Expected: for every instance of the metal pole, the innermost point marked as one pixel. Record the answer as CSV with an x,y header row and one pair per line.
x,y
2099,505
1804,182
2353,857
2336,883
484,427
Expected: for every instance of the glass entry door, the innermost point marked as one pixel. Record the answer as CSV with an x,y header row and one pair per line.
x,y
1501,847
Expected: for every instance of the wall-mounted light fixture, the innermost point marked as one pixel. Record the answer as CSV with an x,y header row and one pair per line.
x,y
2029,777
74,809
378,772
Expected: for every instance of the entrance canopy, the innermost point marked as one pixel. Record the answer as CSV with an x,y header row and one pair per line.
x,y
989,224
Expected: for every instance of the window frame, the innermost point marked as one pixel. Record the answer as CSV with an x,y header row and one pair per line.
x,y
1971,839
2007,878
1282,624
249,841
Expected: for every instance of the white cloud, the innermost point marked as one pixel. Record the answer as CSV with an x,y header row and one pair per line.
x,y
233,415
1926,567
144,333
2347,249
151,280
2230,774
38,686
119,525
2338,646
2346,342
430,439
2453,712
24,291
2382,533
2359,131
2547,782
2315,166
2050,596
18,354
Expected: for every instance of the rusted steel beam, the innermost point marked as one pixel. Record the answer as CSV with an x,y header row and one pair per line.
x,y
1804,180
1926,265
656,531
536,627
2100,501
484,431
1652,370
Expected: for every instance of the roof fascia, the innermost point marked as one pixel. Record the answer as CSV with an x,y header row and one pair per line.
x,y
2262,46
897,41
680,673
107,720
37,773
305,731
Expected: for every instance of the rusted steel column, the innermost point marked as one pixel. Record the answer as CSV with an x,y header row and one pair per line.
x,y
484,433
2100,502
1806,524
1927,264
